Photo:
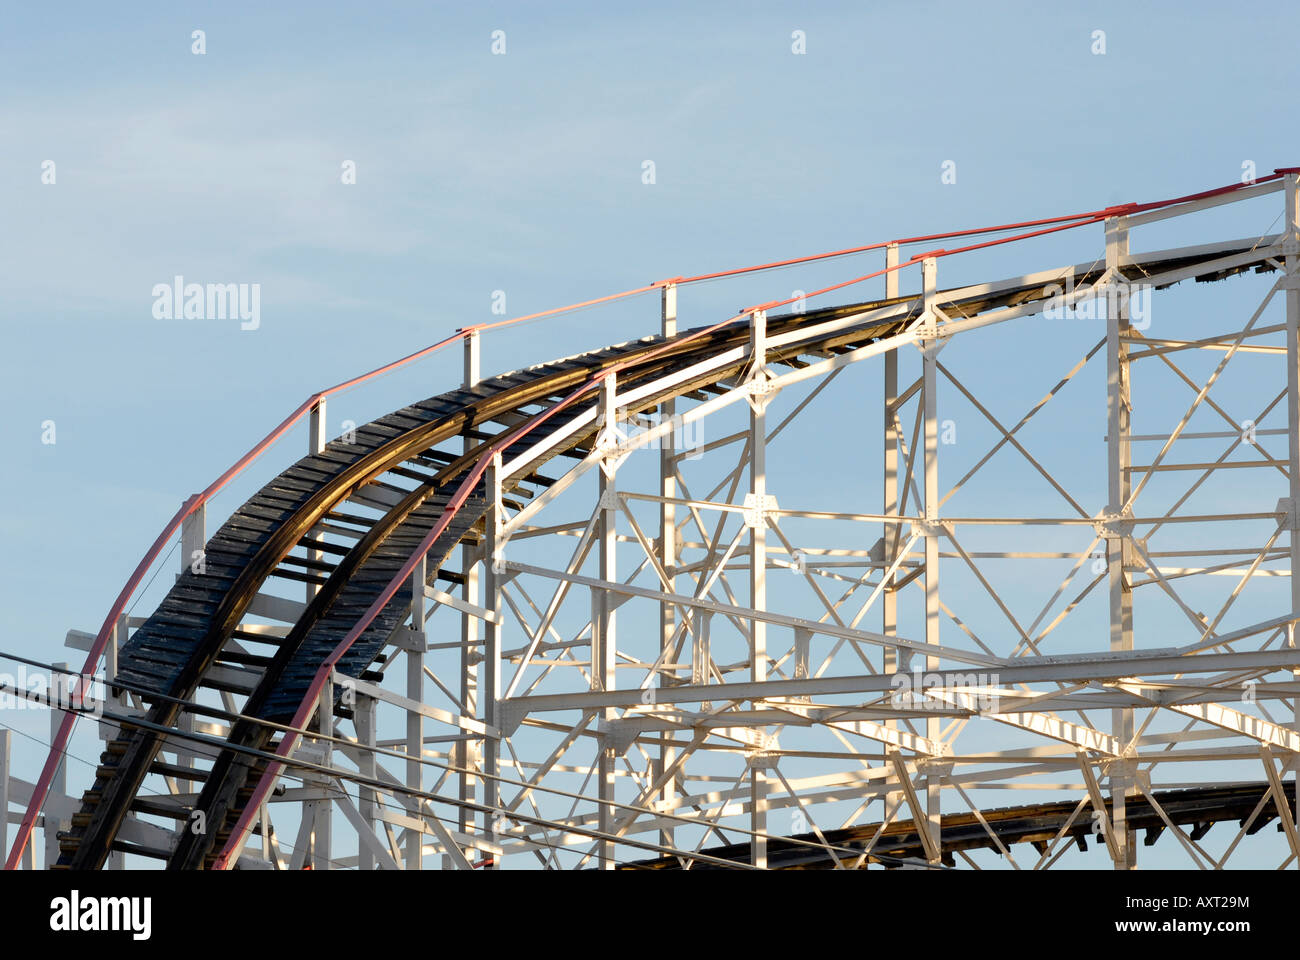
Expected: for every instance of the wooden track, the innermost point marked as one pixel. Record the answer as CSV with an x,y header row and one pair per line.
x,y
1038,825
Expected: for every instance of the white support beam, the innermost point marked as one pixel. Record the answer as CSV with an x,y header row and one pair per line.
x,y
465,754
6,742
193,538
472,610
604,638
1291,244
920,813
363,712
1226,718
758,564
667,550
1043,724
494,577
930,408
1118,548
1074,668
414,859
322,811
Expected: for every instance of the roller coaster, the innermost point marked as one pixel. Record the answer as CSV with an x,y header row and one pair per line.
x,y
668,703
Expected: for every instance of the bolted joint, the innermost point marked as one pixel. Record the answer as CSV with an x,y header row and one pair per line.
x,y
311,753
1112,526
1124,773
1287,513
760,385
765,757
935,766
408,639
930,528
759,391
758,509
617,735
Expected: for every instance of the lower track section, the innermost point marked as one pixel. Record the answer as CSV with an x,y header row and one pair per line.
x,y
898,844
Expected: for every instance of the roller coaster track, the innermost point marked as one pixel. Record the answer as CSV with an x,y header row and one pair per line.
x,y
419,481
1044,826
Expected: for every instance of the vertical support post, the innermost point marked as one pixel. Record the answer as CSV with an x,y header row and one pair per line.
x,y
930,410
758,565
316,428
415,721
322,810
59,785
193,538
700,651
889,599
490,676
364,719
121,631
890,504
116,701
1291,230
667,550
604,639
264,820
466,757
194,541
802,654
1118,549
6,742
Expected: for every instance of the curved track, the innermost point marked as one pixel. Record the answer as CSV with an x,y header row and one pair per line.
x,y
346,519
385,490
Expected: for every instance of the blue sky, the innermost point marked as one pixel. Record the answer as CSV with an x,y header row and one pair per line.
x,y
519,173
